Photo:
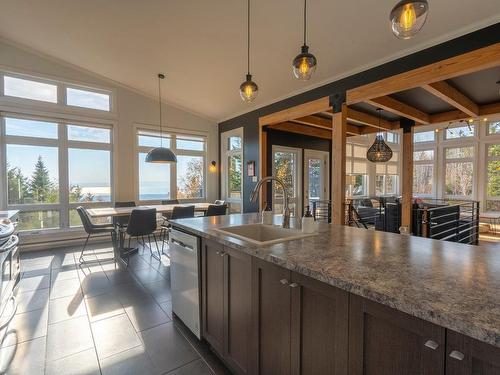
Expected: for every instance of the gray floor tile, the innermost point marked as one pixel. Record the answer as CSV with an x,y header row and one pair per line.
x,y
34,300
137,263
130,362
26,326
103,306
34,272
63,259
167,307
65,308
83,363
198,367
114,335
25,358
147,275
68,337
160,290
146,315
65,288
167,347
30,283
119,276
65,273
132,293
95,284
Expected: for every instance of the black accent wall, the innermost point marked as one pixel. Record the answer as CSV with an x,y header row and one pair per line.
x,y
250,121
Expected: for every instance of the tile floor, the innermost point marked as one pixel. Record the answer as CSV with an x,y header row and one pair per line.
x,y
101,318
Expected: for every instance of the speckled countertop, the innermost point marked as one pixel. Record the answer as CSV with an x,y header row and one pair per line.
x,y
453,285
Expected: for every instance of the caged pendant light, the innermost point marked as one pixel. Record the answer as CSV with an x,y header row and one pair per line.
x,y
248,89
160,154
408,17
304,64
379,152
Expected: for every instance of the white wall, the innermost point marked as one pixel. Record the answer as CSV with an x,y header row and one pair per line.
x,y
132,109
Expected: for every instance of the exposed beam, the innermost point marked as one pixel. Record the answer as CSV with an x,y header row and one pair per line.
x,y
312,131
353,130
339,130
407,178
470,62
314,121
319,105
489,109
367,119
452,96
456,115
399,108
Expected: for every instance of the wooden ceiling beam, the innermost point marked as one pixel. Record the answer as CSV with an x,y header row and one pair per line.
x,y
295,128
317,121
444,91
400,108
470,62
456,115
368,120
309,108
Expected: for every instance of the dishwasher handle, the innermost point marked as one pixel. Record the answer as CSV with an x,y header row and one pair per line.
x,y
181,244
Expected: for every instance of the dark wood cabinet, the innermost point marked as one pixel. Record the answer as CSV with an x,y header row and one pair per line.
x,y
466,356
384,341
300,323
226,301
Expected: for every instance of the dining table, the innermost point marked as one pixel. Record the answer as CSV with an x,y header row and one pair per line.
x,y
119,233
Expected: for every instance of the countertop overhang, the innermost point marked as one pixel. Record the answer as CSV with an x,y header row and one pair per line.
x,y
453,285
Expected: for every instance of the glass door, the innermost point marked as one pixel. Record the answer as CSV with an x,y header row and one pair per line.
x,y
232,169
316,176
286,166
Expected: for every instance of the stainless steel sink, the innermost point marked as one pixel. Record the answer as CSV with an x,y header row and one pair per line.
x,y
262,234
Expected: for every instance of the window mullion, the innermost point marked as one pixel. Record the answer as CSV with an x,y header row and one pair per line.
x,y
63,176
3,164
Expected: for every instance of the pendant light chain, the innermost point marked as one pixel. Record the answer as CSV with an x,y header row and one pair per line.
x,y
248,36
159,101
305,22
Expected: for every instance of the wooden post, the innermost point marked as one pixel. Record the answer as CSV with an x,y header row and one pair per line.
x,y
339,127
407,174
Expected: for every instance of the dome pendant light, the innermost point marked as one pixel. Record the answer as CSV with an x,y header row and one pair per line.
x,y
379,152
248,89
160,154
408,17
304,64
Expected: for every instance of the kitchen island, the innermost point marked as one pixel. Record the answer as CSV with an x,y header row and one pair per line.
x,y
398,304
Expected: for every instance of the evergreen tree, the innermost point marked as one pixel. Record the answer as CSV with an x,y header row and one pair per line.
x,y
41,187
18,189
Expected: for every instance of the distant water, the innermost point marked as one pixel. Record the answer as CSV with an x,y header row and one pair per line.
x,y
102,194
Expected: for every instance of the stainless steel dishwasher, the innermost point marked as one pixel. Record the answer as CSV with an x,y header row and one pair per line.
x,y
185,278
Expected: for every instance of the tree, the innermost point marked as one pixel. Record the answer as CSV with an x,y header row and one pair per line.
x,y
283,167
192,181
18,189
235,176
75,194
42,189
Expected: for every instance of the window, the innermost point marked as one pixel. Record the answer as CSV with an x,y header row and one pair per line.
x,y
428,136
87,99
493,127
35,150
391,137
493,177
459,171
183,180
232,169
28,89
356,170
423,172
460,132
88,134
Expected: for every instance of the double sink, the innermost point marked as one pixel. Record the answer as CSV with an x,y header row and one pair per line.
x,y
263,234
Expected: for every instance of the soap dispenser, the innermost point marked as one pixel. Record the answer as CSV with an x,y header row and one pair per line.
x,y
308,222
267,215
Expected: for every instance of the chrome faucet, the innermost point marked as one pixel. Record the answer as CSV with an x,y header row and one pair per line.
x,y
286,209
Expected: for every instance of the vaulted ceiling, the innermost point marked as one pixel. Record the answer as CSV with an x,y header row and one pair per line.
x,y
200,44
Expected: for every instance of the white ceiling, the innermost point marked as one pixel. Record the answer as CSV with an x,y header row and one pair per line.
x,y
201,44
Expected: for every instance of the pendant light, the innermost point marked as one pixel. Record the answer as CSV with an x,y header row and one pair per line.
x,y
379,152
248,89
304,64
160,154
408,17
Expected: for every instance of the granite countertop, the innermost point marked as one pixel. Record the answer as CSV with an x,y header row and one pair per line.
x,y
453,285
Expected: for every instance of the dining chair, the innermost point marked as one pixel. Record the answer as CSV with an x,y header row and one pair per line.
x,y
142,223
166,215
91,228
216,210
219,202
179,212
122,221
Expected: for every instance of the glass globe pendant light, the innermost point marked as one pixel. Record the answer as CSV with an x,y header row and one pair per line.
x,y
408,17
248,89
161,154
379,152
304,64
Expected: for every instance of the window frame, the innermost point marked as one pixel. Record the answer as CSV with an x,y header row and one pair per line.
x,y
173,134
225,153
63,145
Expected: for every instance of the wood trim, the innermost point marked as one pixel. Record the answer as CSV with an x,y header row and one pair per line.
x,y
407,179
263,167
455,115
314,121
400,108
354,130
310,108
489,109
312,131
452,96
470,62
339,130
368,120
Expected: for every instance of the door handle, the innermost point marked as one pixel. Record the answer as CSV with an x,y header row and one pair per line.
x,y
284,281
431,344
293,285
455,354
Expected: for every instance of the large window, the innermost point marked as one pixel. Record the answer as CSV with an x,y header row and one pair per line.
x,y
493,177
50,172
387,176
356,170
232,169
182,180
459,171
423,172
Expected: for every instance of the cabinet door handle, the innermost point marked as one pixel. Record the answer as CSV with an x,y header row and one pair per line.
x,y
432,344
455,354
284,281
222,253
293,285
